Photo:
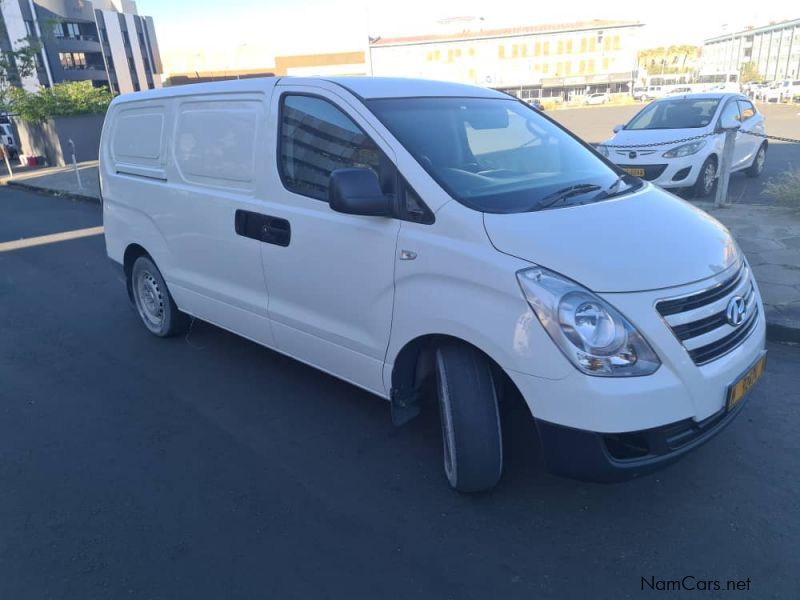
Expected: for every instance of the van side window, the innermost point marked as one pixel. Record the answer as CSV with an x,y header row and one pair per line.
x,y
316,138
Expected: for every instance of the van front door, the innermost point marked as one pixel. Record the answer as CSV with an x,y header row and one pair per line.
x,y
330,276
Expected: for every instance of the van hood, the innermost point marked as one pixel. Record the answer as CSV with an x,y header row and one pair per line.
x,y
643,241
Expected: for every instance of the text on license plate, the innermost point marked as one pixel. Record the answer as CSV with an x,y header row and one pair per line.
x,y
746,382
636,172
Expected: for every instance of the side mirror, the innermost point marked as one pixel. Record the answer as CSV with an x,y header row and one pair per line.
x,y
356,191
617,128
728,121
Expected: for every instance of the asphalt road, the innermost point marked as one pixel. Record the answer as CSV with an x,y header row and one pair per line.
x,y
594,124
209,467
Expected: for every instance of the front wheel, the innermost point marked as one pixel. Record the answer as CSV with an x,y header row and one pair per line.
x,y
153,302
757,167
471,435
706,178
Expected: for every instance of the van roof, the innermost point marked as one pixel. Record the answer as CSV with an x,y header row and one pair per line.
x,y
364,87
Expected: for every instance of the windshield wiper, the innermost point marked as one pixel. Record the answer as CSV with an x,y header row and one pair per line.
x,y
568,192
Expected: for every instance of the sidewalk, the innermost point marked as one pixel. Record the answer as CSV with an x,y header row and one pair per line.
x,y
769,236
60,181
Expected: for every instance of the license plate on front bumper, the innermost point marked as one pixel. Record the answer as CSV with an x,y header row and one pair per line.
x,y
745,383
634,171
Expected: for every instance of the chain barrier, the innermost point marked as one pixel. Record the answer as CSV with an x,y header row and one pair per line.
x,y
696,137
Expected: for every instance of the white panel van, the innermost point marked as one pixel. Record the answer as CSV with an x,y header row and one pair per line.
x,y
408,236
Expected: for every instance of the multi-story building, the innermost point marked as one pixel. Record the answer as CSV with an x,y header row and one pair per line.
x,y
559,60
102,41
773,49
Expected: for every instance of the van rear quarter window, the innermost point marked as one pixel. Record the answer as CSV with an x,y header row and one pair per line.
x,y
139,136
215,142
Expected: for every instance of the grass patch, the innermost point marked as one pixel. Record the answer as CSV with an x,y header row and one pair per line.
x,y
785,189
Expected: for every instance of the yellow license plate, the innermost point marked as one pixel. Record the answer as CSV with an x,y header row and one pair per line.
x,y
634,171
746,382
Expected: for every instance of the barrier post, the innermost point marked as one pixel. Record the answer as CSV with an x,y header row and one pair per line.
x,y
75,164
725,164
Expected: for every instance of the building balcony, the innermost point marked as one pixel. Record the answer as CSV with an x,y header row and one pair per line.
x,y
76,45
84,74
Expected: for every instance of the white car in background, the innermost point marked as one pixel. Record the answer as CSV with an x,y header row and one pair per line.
x,y
601,98
693,122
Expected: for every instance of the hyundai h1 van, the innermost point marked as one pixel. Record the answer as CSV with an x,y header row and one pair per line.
x,y
408,236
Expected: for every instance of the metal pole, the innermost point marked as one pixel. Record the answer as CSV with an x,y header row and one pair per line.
x,y
75,164
725,167
8,164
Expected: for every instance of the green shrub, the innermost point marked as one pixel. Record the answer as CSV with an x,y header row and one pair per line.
x,y
61,100
786,188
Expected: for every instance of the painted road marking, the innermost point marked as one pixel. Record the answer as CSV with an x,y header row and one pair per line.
x,y
50,239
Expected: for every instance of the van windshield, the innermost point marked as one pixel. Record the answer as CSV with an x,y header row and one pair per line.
x,y
678,113
498,155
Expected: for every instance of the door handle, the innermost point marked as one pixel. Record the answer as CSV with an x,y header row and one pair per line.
x,y
264,228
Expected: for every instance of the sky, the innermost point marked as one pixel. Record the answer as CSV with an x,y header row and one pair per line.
x,y
203,35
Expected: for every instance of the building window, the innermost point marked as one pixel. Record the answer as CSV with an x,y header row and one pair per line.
x,y
591,67
537,49
592,45
560,48
582,67
30,30
437,55
583,45
501,52
458,53
429,56
569,46
515,51
545,68
126,39
568,68
524,49
472,51
605,64
616,42
607,43
559,69
58,30
546,49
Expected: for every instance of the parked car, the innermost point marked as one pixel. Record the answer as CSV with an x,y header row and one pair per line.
x,y
8,140
535,103
692,163
411,236
597,99
654,91
638,93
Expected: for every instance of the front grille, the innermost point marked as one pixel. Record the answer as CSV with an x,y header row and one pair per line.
x,y
700,320
651,172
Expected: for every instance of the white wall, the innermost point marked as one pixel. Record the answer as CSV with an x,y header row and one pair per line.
x,y
117,44
138,59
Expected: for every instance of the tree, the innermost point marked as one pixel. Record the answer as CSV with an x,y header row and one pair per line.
x,y
749,72
61,100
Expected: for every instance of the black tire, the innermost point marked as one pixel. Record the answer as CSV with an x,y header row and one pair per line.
x,y
471,436
704,186
153,302
759,160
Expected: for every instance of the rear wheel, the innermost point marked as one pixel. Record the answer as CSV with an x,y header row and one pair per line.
x,y
706,178
153,301
757,167
471,436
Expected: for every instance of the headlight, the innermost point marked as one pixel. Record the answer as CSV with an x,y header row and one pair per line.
x,y
685,149
590,332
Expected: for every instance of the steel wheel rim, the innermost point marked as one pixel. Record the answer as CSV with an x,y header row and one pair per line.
x,y
708,176
149,300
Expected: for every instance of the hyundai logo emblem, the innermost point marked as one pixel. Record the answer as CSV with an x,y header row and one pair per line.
x,y
631,154
736,311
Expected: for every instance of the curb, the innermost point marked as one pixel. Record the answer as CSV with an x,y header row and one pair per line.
x,y
782,328
57,193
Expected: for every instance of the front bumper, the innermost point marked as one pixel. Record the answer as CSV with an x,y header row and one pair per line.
x,y
606,458
667,173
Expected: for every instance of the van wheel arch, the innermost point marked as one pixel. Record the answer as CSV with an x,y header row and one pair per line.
x,y
132,252
414,375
